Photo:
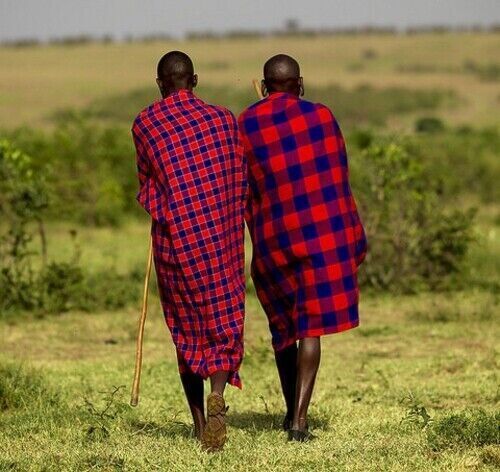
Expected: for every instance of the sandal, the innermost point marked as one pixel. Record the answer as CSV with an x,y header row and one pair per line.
x,y
301,436
214,434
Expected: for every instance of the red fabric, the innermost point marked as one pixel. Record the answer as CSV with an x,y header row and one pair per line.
x,y
192,182
307,236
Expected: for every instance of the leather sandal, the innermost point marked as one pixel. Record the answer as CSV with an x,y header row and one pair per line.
x,y
300,436
214,434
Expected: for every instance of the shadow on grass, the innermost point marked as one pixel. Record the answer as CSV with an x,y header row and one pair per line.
x,y
172,429
255,421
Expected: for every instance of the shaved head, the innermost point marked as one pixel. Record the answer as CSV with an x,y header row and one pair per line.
x,y
282,74
175,71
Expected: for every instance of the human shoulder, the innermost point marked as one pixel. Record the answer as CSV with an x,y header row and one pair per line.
x,y
324,112
143,116
222,113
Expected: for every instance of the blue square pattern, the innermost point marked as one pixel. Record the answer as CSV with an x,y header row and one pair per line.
x,y
261,152
337,223
329,318
279,118
353,312
251,125
322,163
324,290
329,193
348,282
306,106
309,232
288,144
301,202
277,210
343,253
283,240
269,182
303,323
295,172
316,133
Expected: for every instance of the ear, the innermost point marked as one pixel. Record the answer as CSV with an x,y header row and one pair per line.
x,y
301,86
195,80
160,86
263,88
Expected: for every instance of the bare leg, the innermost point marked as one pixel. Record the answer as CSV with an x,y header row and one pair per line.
x,y
218,381
193,388
286,362
308,357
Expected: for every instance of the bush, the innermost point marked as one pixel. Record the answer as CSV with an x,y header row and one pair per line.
x,y
61,286
470,428
24,197
94,175
463,162
48,287
429,124
414,242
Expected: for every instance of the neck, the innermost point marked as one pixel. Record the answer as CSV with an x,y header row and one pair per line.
x,y
171,90
291,92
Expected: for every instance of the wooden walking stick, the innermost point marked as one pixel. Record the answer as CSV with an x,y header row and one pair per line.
x,y
257,88
134,398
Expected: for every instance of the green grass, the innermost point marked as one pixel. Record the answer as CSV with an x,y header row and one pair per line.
x,y
358,412
387,398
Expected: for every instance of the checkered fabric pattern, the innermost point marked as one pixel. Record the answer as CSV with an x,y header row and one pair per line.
x,y
308,240
192,182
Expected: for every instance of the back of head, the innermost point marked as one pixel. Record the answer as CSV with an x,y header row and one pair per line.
x,y
282,74
176,71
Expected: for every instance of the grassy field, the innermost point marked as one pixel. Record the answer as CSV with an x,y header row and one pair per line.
x,y
38,80
415,388
413,356
437,351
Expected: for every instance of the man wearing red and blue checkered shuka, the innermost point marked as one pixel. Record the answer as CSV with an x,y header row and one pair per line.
x,y
193,184
308,240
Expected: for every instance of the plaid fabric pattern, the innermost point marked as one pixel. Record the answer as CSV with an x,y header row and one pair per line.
x,y
192,182
307,237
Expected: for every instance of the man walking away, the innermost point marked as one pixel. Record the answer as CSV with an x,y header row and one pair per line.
x,y
307,237
192,183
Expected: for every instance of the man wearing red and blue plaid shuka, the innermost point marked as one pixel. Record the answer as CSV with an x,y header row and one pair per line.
x,y
308,240
192,183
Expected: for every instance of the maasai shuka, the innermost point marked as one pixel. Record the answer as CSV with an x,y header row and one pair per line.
x,y
192,182
308,240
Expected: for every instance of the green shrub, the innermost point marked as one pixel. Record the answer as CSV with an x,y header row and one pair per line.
x,y
469,428
24,198
49,287
462,162
429,124
93,173
61,285
414,241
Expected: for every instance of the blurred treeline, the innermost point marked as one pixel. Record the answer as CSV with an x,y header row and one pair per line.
x,y
291,27
416,192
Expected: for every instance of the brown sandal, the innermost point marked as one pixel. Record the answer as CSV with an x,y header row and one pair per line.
x,y
214,434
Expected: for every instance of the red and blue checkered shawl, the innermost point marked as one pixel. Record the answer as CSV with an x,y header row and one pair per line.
x,y
308,240
192,183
